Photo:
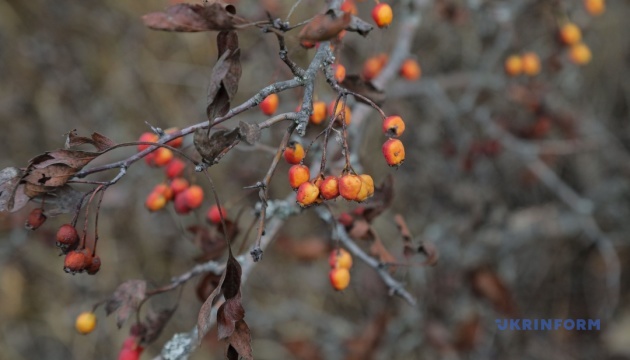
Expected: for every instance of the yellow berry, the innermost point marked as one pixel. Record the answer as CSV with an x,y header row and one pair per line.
x,y
86,322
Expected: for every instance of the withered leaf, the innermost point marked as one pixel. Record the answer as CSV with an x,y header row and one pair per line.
x,y
213,148
12,193
356,24
204,317
55,168
100,142
357,85
241,340
207,285
250,133
126,300
228,314
382,199
468,334
324,26
226,74
62,200
154,324
212,244
431,252
193,18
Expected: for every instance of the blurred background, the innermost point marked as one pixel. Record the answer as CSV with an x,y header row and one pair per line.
x,y
509,245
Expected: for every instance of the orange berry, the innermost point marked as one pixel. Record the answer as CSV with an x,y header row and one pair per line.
x,y
570,34
165,190
175,168
595,7
367,188
340,258
193,196
580,54
298,175
349,6
513,65
347,113
36,218
213,214
319,112
382,15
155,201
410,70
294,153
147,137
307,44
394,152
162,156
349,186
531,64
339,278
177,142
85,323
270,104
179,185
329,188
307,194
340,72
75,261
373,66
393,126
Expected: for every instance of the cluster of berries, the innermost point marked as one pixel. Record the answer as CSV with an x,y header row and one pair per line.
x,y
185,196
340,262
571,36
525,64
76,260
372,67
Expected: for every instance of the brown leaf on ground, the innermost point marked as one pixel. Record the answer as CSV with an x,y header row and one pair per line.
x,y
324,26
193,18
126,300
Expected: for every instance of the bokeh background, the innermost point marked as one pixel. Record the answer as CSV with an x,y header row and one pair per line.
x,y
507,243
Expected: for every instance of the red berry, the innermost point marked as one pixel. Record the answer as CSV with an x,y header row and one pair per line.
x,y
382,15
175,168
213,214
180,205
67,238
193,196
95,265
75,261
294,153
35,219
147,137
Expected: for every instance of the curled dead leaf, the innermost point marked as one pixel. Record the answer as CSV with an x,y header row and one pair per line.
x,y
324,26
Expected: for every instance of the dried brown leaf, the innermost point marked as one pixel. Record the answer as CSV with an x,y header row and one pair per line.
x,y
126,300
212,244
241,340
225,75
62,200
154,324
193,18
213,148
324,26
250,133
12,194
207,285
230,312
468,334
100,142
203,319
356,24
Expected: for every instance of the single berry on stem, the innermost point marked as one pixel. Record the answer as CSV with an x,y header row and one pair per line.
x,y
394,152
294,153
307,194
270,104
85,322
349,186
382,15
329,188
36,218
340,258
298,175
393,126
339,278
